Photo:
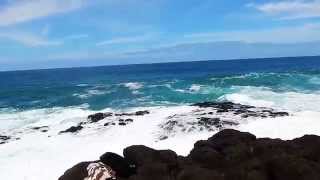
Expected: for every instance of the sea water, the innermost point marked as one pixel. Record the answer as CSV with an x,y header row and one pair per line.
x,y
60,98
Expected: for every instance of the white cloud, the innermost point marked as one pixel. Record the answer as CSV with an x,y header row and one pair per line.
x,y
19,11
294,34
28,39
290,9
125,40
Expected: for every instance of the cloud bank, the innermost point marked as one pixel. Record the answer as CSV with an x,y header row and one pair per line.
x,y
295,9
27,10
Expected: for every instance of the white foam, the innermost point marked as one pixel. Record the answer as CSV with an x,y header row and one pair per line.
x,y
264,97
38,156
195,88
301,123
315,80
90,93
82,85
133,85
33,154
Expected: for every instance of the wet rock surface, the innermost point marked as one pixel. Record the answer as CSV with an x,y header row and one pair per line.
x,y
240,109
98,117
4,139
228,155
72,129
108,119
41,128
215,116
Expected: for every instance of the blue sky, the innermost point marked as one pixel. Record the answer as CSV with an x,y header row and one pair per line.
x,y
68,33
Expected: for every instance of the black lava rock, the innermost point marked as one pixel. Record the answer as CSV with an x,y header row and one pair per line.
x,y
4,138
98,117
141,113
72,129
228,155
120,165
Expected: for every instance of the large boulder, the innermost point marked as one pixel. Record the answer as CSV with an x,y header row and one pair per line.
x,y
141,155
77,172
228,155
121,166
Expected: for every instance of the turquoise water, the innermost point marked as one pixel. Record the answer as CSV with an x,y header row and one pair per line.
x,y
154,84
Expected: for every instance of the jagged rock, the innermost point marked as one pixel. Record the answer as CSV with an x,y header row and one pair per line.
x,y
141,155
209,122
4,139
138,113
40,127
240,109
141,113
77,172
129,120
121,166
228,155
98,117
215,116
72,129
122,124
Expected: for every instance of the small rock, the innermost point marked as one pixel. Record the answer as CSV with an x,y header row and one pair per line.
x,y
142,113
98,117
129,120
72,129
4,138
38,128
122,123
163,138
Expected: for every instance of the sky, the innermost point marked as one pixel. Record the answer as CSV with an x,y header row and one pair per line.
x,y
69,33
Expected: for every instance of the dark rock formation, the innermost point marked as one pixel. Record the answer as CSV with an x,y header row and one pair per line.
x,y
40,128
228,155
98,117
72,129
138,113
142,113
215,116
77,172
240,109
121,166
4,139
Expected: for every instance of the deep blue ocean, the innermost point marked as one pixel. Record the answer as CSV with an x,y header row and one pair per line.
x,y
154,84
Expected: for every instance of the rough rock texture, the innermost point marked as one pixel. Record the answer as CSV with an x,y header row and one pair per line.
x,y
228,155
214,116
4,139
72,129
239,109
98,117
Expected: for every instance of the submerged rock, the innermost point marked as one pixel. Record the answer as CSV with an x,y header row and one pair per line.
x,y
239,109
40,127
4,139
72,129
141,113
215,116
98,117
138,113
228,155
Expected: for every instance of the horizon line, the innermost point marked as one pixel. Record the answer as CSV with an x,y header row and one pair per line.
x,y
168,62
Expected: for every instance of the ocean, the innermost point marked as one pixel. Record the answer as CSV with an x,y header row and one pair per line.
x,y
60,98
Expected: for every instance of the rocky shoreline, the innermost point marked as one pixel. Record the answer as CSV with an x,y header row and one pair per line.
x,y
205,116
228,155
